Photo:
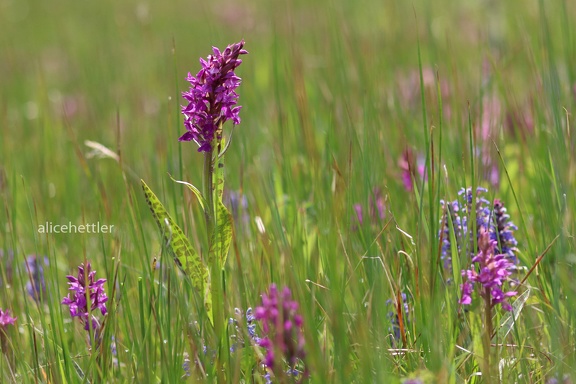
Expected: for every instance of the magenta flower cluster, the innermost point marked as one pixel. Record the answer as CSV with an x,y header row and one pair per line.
x,y
282,327
88,296
212,96
491,271
6,319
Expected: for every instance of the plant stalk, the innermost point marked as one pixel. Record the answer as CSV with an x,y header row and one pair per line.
x,y
215,268
208,192
487,336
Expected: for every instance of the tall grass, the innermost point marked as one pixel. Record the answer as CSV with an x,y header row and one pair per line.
x,y
333,94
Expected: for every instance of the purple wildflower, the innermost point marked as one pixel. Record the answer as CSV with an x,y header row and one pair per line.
x,y
5,319
186,366
376,208
467,289
412,169
492,271
458,213
491,217
36,286
503,232
451,217
251,325
479,204
398,315
114,351
376,204
212,97
283,328
237,335
358,210
88,297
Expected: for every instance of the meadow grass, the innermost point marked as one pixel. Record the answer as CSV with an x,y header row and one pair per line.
x,y
334,93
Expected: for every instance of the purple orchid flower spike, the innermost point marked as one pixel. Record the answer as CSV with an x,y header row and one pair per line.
x,y
491,272
88,297
212,97
282,326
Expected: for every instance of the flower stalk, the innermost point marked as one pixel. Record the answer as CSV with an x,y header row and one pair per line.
x,y
208,191
215,267
212,101
487,335
491,272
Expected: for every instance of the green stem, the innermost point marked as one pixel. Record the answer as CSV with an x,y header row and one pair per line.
x,y
487,335
218,312
208,192
215,276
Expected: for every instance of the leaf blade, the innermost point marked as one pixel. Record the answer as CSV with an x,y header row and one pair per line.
x,y
183,253
509,320
194,190
222,236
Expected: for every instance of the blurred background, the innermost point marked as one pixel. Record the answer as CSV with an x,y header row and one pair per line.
x,y
325,83
332,113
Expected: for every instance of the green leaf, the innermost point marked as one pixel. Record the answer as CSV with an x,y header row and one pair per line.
x,y
80,372
222,236
510,319
195,190
180,247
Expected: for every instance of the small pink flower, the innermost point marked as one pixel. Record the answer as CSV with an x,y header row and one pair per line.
x,y
6,319
412,169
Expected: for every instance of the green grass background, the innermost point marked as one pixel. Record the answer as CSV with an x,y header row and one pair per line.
x,y
331,98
